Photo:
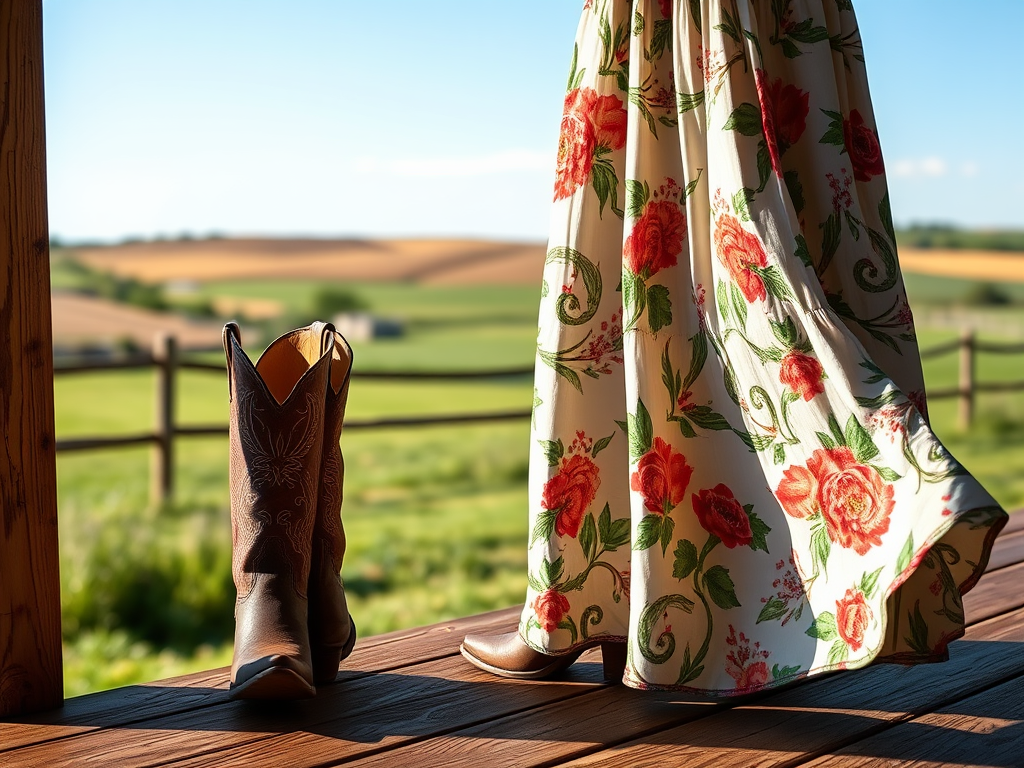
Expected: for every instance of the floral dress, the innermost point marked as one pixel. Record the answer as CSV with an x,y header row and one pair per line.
x,y
731,462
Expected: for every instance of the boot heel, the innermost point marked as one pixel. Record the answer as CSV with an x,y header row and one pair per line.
x,y
613,656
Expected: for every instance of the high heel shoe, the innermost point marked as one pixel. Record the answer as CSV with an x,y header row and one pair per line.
x,y
508,655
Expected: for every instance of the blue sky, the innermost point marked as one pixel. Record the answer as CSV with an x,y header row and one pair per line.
x,y
337,118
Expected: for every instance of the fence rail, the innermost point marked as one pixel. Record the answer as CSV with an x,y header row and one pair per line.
x,y
165,358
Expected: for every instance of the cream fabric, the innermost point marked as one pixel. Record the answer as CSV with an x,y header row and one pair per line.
x,y
730,462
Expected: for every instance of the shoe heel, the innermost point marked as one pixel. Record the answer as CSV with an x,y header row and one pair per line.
x,y
613,657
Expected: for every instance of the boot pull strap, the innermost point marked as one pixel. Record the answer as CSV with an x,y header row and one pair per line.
x,y
326,335
231,334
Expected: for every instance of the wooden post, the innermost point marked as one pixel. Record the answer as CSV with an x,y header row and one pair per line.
x,y
966,384
165,354
31,676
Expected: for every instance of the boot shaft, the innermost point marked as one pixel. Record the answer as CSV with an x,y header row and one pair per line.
x,y
276,448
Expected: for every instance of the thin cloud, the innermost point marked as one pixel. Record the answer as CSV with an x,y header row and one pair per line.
x,y
932,168
508,161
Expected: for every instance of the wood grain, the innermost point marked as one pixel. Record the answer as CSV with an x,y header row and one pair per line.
x,y
984,730
30,652
798,724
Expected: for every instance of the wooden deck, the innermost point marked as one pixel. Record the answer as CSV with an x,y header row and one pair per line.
x,y
409,699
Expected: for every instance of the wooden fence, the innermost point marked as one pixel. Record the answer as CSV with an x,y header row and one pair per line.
x,y
166,360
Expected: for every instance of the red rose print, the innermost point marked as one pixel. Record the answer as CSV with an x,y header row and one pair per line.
x,y
753,676
656,239
576,142
862,145
798,492
802,374
721,515
854,499
589,121
571,492
662,476
784,110
666,8
740,250
550,607
610,122
852,618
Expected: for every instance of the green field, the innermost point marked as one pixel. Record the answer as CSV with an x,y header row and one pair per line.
x,y
435,516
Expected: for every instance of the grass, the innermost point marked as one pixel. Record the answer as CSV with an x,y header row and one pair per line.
x,y
435,516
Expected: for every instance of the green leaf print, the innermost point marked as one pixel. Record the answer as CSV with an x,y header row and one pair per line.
x,y
764,165
687,102
834,134
821,547
789,48
785,332
782,673
837,433
588,538
889,475
659,307
554,450
746,119
838,653
685,559
575,78
661,40
637,195
741,203
831,235
699,355
722,301
638,100
720,587
869,582
648,532
544,526
774,282
759,530
667,527
906,554
605,184
692,185
601,444
773,610
568,624
739,305
806,32
613,533
550,573
645,628
634,298
705,418
567,306
864,448
686,428
824,627
796,194
826,441
695,14
885,214
641,431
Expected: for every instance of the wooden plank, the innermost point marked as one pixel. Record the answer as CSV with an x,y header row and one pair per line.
x,y
997,592
984,730
192,693
801,723
1007,550
362,715
31,676
1014,524
564,728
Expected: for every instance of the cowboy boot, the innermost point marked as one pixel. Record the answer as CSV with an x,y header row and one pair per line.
x,y
276,440
332,633
508,655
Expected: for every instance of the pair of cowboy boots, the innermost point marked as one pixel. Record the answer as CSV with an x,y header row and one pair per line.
x,y
292,624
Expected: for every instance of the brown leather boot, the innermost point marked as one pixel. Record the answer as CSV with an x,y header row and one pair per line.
x,y
276,441
332,633
507,655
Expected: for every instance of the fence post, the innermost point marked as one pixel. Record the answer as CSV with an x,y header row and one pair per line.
x,y
966,383
165,356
